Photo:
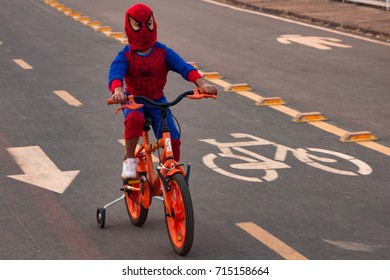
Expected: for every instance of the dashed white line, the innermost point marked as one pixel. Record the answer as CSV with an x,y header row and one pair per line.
x,y
23,64
68,98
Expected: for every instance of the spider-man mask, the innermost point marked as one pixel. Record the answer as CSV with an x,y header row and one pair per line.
x,y
140,27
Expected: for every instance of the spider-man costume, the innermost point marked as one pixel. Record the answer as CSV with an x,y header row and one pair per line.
x,y
146,74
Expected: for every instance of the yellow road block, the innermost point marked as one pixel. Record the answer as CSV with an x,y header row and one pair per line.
x,y
74,15
117,34
93,23
211,75
83,19
270,101
67,11
238,87
358,136
51,2
309,117
59,7
104,29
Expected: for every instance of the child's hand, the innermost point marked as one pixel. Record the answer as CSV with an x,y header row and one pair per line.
x,y
119,96
209,89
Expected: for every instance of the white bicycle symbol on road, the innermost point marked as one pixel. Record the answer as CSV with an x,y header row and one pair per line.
x,y
255,161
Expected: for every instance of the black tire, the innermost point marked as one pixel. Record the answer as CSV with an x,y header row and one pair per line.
x,y
180,221
101,217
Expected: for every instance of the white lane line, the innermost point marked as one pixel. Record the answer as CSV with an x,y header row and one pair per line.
x,y
68,98
299,23
271,241
23,64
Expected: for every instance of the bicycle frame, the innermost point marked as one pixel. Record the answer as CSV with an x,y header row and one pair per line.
x,y
169,182
167,167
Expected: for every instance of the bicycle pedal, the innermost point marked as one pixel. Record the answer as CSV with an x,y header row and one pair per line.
x,y
131,181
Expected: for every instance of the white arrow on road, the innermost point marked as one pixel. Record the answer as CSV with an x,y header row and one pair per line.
x,y
321,43
39,170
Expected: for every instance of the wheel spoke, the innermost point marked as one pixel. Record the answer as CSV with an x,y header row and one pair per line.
x,y
178,231
182,229
179,213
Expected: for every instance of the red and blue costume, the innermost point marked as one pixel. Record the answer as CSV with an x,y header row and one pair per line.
x,y
146,74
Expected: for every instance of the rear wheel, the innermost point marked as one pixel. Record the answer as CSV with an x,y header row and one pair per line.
x,y
133,199
101,217
179,215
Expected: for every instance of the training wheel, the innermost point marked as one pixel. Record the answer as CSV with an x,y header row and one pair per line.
x,y
101,217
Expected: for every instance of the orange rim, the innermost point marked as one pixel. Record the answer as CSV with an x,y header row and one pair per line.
x,y
177,218
133,201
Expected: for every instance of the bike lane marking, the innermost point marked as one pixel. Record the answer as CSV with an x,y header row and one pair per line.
x,y
67,97
23,64
271,241
209,162
269,166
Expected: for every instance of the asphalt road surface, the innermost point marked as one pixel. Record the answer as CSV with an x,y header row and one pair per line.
x,y
275,190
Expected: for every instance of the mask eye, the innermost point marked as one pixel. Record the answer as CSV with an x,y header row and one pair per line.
x,y
150,23
135,25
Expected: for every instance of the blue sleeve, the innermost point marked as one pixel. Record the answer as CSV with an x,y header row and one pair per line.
x,y
119,66
176,63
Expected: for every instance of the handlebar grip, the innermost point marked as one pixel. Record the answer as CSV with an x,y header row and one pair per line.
x,y
199,94
132,105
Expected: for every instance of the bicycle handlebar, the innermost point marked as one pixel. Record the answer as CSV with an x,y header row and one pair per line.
x,y
192,94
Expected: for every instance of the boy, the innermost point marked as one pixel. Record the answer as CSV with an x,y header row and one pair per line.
x,y
144,64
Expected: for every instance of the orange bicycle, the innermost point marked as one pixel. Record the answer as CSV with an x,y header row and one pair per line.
x,y
167,182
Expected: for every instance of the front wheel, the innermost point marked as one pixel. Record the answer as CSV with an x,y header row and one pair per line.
x,y
179,216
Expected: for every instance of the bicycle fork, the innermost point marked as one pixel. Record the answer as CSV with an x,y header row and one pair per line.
x,y
170,173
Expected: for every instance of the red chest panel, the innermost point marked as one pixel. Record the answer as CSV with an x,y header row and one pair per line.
x,y
147,75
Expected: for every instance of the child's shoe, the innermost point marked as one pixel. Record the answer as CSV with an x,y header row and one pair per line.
x,y
129,170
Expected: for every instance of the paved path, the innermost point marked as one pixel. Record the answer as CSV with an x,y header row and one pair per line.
x,y
370,20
